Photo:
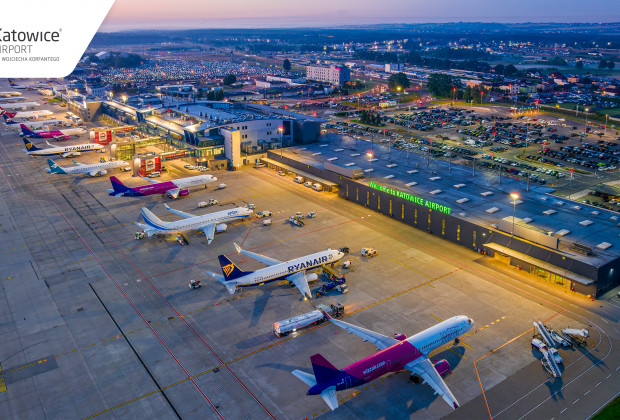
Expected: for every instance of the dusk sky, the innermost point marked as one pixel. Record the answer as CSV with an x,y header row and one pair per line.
x,y
187,14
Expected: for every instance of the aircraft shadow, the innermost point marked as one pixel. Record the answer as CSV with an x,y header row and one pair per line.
x,y
285,367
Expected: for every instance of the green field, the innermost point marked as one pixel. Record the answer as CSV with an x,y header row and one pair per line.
x,y
611,412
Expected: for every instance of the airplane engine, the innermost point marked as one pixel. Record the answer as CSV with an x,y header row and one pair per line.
x,y
102,172
442,366
221,228
312,277
72,154
64,138
399,336
183,193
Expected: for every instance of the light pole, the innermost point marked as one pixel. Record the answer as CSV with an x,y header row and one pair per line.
x,y
585,130
514,196
370,155
280,130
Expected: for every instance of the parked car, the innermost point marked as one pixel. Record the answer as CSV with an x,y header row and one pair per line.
x,y
209,202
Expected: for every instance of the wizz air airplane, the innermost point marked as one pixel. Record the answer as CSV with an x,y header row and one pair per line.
x,y
173,189
395,353
67,151
95,169
209,224
26,114
293,270
8,121
63,134
20,106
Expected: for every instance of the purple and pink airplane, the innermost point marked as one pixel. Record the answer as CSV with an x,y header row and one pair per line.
x,y
396,353
173,189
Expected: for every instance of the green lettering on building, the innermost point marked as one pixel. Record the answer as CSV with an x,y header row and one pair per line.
x,y
410,197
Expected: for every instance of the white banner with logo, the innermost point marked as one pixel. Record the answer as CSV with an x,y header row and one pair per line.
x,y
46,38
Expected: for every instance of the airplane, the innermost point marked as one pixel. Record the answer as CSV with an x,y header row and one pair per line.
x,y
20,106
67,151
209,223
62,134
26,114
293,270
32,86
10,99
395,353
8,121
92,170
9,94
173,189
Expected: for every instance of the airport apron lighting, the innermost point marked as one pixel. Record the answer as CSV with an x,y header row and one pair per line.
x,y
412,198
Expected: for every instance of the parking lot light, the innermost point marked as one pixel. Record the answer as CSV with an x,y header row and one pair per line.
x,y
514,196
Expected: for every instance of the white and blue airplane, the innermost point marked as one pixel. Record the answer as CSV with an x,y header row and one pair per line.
x,y
293,270
66,151
209,224
96,169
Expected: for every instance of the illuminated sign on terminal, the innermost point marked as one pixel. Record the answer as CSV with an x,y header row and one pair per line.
x,y
414,199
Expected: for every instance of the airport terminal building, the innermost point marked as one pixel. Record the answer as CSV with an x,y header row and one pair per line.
x,y
212,132
555,239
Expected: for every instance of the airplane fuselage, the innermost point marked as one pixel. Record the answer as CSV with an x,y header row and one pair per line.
x,y
199,222
163,187
286,268
85,169
51,151
395,357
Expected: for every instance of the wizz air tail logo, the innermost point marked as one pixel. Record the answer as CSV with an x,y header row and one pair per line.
x,y
227,269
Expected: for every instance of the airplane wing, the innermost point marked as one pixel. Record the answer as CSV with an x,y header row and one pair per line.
x,y
379,340
258,257
174,193
423,367
152,181
209,232
147,229
299,280
180,213
49,144
79,164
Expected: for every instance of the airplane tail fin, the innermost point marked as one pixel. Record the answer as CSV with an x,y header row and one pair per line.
x,y
150,219
7,119
323,370
26,131
11,82
55,168
118,188
29,146
230,270
328,394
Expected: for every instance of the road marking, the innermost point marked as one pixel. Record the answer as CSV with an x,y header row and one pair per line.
x,y
587,392
604,320
607,377
574,402
597,385
563,411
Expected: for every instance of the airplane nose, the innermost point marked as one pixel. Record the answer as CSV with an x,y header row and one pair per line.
x,y
470,321
214,178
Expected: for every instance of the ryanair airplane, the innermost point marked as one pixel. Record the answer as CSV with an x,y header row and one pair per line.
x,y
293,270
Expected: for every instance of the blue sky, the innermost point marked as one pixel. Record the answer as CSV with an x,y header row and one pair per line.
x,y
179,14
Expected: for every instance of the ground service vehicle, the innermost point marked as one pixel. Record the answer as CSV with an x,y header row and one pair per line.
x,y
299,179
221,186
369,252
317,187
266,222
334,310
209,202
286,326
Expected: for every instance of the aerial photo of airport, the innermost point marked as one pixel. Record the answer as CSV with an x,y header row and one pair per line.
x,y
352,217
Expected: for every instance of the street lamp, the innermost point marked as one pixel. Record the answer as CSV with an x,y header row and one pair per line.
x,y
514,196
370,155
124,98
280,130
585,131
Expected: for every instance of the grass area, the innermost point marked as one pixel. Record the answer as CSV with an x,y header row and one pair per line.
x,y
55,100
358,122
611,412
610,111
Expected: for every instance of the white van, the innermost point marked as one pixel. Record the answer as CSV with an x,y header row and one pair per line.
x,y
317,187
299,179
154,175
308,184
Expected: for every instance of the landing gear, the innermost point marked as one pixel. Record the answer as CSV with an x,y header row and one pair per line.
x,y
456,341
414,378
